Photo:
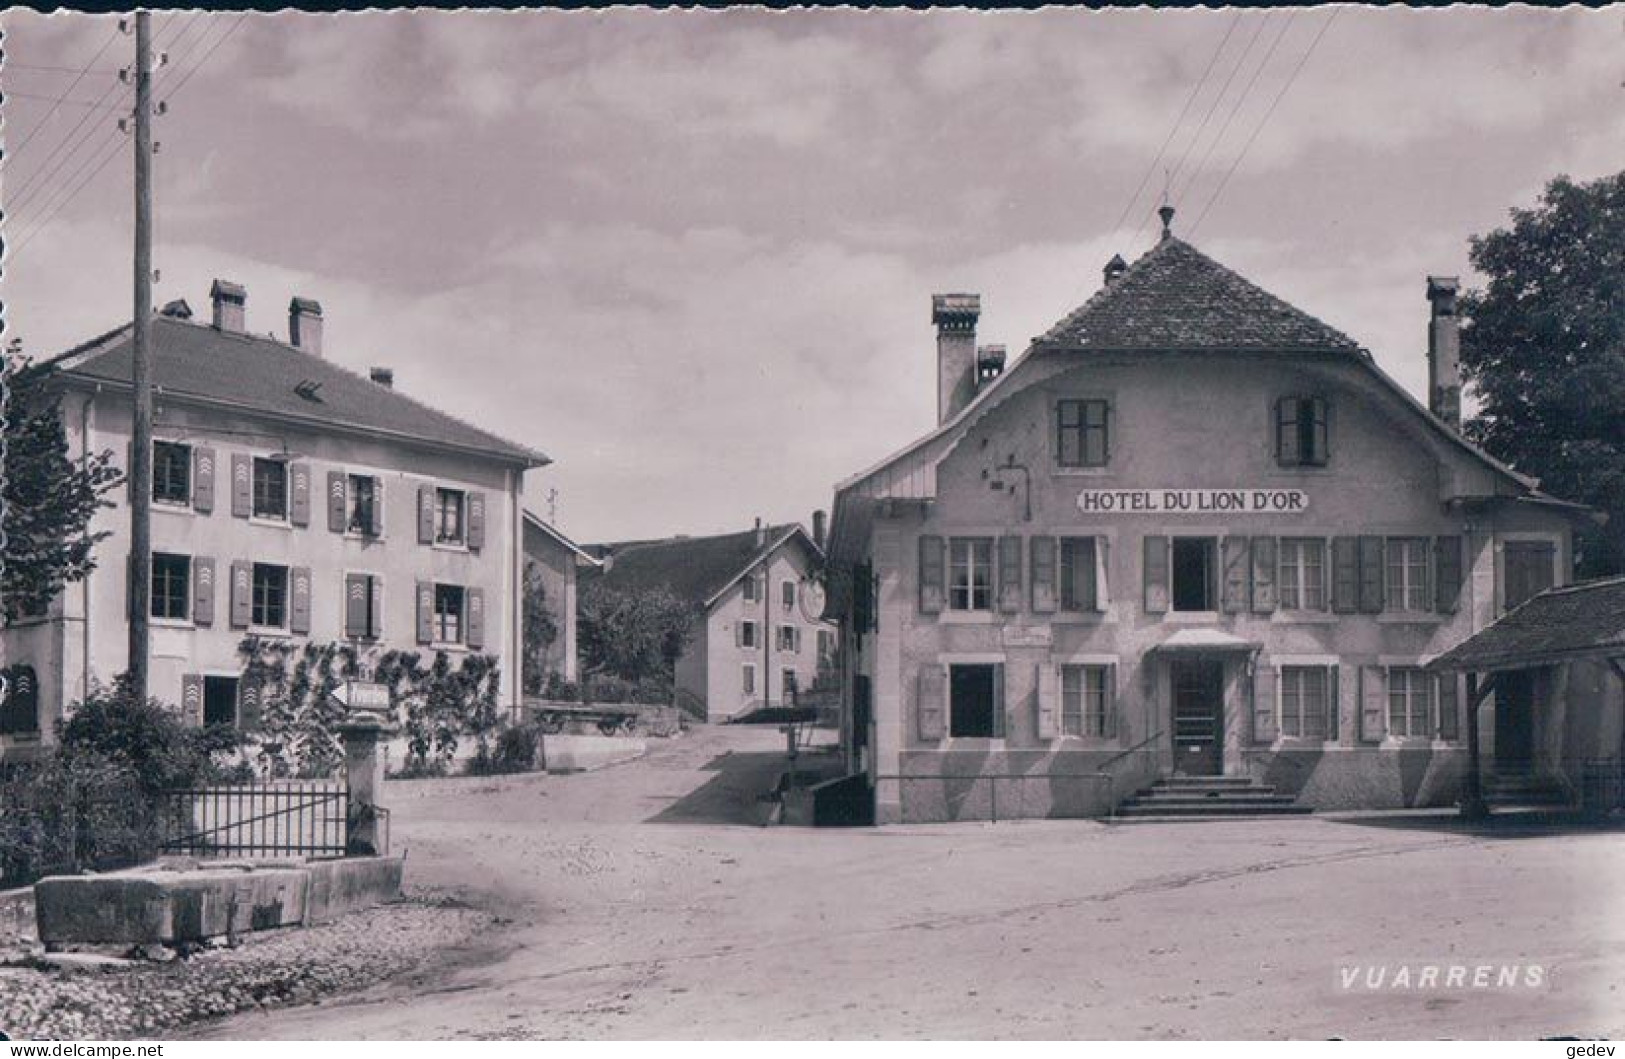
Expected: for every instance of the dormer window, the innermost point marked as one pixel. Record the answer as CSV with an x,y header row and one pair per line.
x,y
1300,432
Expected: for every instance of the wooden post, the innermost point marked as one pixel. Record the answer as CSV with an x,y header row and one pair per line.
x,y
1473,806
140,469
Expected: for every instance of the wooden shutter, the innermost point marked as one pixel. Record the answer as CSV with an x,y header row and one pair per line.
x,y
739,634
476,520
1286,432
1110,705
1156,575
202,590
1264,684
1334,729
1319,449
1373,574
1447,574
249,696
337,499
425,612
933,572
1042,550
242,485
375,607
355,604
931,706
425,514
474,617
1345,575
299,610
192,698
1449,699
1263,575
1373,702
1010,588
1048,702
1236,567
203,480
299,506
1103,592
375,525
242,594
999,706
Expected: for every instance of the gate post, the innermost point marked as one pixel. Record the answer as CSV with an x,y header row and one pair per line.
x,y
364,778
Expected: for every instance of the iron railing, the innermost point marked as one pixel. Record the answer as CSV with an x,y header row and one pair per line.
x,y
301,818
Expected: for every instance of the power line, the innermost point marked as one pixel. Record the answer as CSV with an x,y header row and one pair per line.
x,y
1179,121
74,84
13,64
1265,119
206,55
1241,101
1214,106
60,101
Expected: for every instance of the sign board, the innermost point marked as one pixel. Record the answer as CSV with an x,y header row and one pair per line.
x,y
1028,636
362,695
1237,500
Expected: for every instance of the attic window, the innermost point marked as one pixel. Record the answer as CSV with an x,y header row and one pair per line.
x,y
309,390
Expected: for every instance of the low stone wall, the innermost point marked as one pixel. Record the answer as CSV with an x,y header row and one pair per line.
x,y
565,752
17,919
1363,777
150,906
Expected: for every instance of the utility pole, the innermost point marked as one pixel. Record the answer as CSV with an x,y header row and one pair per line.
x,y
141,375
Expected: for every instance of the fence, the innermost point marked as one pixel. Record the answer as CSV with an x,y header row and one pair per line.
x,y
273,819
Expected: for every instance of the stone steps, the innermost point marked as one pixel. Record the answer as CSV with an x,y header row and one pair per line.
x,y
1207,797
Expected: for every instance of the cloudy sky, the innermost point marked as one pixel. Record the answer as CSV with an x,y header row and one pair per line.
x,y
690,255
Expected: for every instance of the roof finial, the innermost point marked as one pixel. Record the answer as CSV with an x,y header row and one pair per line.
x,y
1166,212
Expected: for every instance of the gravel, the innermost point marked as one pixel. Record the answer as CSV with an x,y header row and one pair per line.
x,y
269,969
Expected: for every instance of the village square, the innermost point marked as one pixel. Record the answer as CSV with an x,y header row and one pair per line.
x,y
602,610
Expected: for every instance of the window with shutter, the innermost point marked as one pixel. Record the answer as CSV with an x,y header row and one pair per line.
x,y
932,574
1305,693
1410,703
450,615
1077,574
1300,432
171,473
220,696
1529,568
970,573
1043,573
1408,587
270,489
171,596
974,707
1085,701
1081,438
1010,586
747,679
1302,573
1194,574
19,701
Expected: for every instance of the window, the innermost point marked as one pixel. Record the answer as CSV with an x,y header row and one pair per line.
x,y
1410,703
787,595
448,613
753,589
970,573
363,511
1081,433
973,695
1409,563
270,489
171,473
787,678
1304,702
1078,574
789,638
1300,431
1303,573
19,706
748,679
269,606
1083,701
448,516
1528,569
219,701
747,634
826,647
171,586
1193,573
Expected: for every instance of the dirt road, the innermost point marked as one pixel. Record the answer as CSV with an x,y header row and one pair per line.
x,y
644,906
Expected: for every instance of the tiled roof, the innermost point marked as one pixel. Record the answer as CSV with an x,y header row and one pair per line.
x,y
693,568
1585,619
1177,298
260,374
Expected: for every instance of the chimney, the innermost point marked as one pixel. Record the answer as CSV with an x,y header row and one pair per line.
x,y
955,316
989,364
819,524
761,534
229,300
305,325
384,377
177,309
1115,269
1444,351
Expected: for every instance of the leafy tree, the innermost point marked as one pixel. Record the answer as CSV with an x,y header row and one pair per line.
x,y
538,630
49,494
636,636
1543,345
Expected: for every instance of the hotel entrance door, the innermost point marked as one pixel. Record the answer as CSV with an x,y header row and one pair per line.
x,y
1198,709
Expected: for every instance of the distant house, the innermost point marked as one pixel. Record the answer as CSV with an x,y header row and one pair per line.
x,y
556,558
763,639
292,499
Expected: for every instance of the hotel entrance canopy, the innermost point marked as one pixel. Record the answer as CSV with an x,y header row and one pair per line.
x,y
1205,642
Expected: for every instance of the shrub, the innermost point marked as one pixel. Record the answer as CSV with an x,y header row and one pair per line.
x,y
114,726
69,812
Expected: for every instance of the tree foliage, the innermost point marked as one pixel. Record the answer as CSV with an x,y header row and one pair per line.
x,y
539,631
636,636
50,495
1543,345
